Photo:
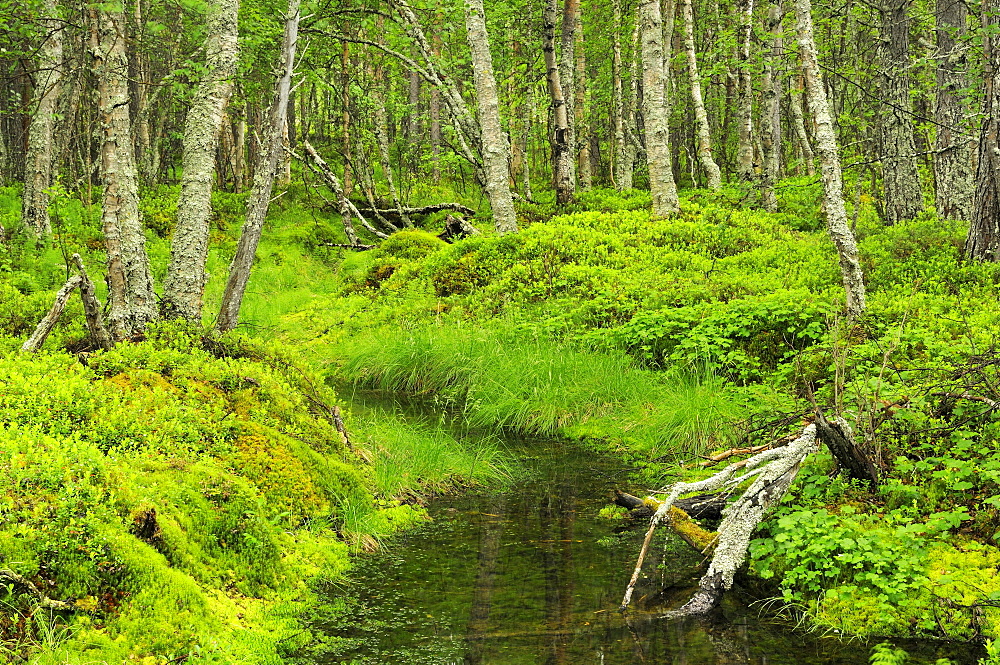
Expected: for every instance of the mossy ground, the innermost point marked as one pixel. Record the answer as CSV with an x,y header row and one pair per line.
x,y
655,338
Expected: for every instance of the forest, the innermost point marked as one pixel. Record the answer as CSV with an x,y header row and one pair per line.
x,y
533,331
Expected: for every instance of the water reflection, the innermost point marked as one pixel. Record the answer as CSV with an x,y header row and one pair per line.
x,y
534,576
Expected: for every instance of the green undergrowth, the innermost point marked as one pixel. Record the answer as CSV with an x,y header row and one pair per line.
x,y
187,494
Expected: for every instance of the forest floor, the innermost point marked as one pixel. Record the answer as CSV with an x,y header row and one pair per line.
x,y
190,496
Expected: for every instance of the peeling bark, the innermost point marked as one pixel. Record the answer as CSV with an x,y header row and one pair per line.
x,y
953,149
184,285
92,308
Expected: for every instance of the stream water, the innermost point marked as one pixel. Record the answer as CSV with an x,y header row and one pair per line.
x,y
532,575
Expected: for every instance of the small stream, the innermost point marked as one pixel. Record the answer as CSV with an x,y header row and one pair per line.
x,y
533,575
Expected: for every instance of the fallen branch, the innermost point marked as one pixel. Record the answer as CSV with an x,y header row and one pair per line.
x,y
357,246
338,422
770,473
347,209
456,228
850,456
49,321
993,404
44,601
424,210
712,460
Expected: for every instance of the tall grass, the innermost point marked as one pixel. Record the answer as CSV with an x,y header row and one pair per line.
x,y
541,386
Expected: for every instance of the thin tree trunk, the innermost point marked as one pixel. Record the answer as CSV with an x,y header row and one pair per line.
x,y
744,109
131,301
345,116
704,132
953,149
382,137
900,177
567,62
562,158
581,109
658,155
622,179
39,156
92,308
184,285
799,124
496,149
771,112
48,322
239,269
826,144
983,241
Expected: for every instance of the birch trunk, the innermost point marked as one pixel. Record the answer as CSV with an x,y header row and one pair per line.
x,y
704,132
901,180
581,110
826,144
562,158
744,105
496,149
622,175
799,124
983,241
345,116
131,301
260,197
953,150
771,112
184,285
567,62
658,155
39,157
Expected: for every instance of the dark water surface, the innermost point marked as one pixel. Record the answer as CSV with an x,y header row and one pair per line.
x,y
533,576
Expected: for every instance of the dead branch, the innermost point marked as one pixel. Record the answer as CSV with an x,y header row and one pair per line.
x,y
456,228
770,473
347,209
49,321
703,506
851,456
44,601
993,404
712,460
338,422
92,308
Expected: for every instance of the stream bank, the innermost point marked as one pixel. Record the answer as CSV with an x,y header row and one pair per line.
x,y
533,574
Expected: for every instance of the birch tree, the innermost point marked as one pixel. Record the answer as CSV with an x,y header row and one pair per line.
x,y
39,157
826,146
703,132
495,145
260,197
661,174
562,157
771,112
744,108
131,301
184,285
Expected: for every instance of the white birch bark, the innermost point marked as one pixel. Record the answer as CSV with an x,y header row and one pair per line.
x,y
562,158
131,300
744,109
704,132
260,197
799,125
622,175
983,241
771,112
826,145
495,145
661,173
39,157
581,110
567,78
184,285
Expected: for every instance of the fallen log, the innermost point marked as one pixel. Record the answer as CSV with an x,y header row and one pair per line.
x,y
49,321
423,210
456,228
701,507
769,473
850,455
